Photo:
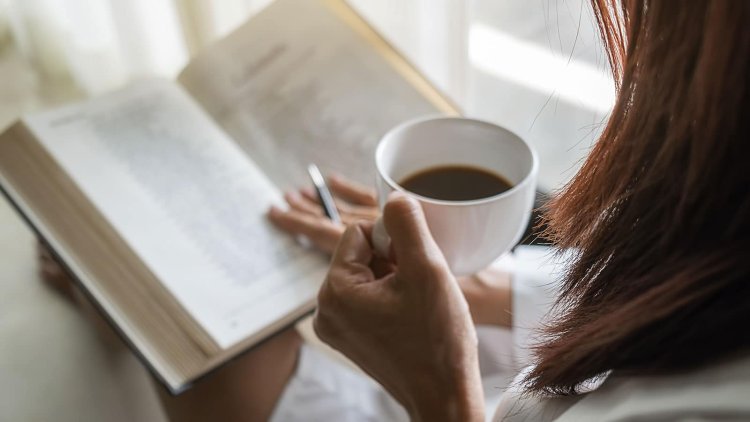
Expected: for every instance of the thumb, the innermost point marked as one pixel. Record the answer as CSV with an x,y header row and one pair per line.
x,y
411,239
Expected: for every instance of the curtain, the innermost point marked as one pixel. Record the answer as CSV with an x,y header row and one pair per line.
x,y
98,45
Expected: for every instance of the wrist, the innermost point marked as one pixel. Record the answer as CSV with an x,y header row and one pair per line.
x,y
489,296
460,399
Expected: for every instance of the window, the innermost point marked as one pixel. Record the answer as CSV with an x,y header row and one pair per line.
x,y
535,67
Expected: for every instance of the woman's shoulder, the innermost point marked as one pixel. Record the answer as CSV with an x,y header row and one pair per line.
x,y
717,390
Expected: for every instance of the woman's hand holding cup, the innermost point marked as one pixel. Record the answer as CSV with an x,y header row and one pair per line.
x,y
404,321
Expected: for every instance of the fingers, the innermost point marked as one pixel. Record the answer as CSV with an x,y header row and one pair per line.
x,y
306,216
349,271
349,213
300,203
352,191
411,239
322,232
354,248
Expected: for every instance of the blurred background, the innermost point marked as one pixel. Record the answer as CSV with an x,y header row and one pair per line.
x,y
534,66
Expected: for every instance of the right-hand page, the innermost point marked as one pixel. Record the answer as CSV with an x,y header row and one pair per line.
x,y
306,81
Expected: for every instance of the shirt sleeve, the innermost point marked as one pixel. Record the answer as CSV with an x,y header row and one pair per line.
x,y
535,285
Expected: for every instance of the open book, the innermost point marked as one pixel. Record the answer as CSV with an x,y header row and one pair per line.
x,y
154,197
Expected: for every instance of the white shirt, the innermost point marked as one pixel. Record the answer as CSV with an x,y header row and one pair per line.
x,y
325,389
717,392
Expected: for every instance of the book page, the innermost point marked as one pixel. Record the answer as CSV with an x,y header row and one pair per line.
x,y
297,84
188,202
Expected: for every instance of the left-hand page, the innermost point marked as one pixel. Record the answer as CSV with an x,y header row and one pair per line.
x,y
189,203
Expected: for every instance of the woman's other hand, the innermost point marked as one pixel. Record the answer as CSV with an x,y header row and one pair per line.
x,y
406,322
488,292
489,296
305,215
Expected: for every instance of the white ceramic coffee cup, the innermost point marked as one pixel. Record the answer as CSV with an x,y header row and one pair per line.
x,y
471,234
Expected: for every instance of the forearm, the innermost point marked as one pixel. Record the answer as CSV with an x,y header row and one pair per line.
x,y
448,411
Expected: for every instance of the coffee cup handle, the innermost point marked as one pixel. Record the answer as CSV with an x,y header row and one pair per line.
x,y
380,239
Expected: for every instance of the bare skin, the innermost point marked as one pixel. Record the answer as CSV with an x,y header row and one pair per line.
x,y
246,389
488,292
405,322
249,387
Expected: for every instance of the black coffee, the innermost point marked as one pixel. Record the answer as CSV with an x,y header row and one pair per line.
x,y
456,183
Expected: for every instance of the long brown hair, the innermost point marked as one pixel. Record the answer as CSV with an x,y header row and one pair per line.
x,y
658,218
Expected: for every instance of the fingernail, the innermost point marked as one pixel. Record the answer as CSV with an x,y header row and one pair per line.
x,y
274,210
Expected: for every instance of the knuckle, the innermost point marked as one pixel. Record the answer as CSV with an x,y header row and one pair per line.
x,y
329,300
332,309
322,327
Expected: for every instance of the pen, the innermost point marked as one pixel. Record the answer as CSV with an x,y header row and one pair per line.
x,y
324,195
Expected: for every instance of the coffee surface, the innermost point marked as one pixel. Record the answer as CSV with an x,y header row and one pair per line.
x,y
455,183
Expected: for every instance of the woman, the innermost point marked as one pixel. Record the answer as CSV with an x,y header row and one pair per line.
x,y
650,320
657,293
